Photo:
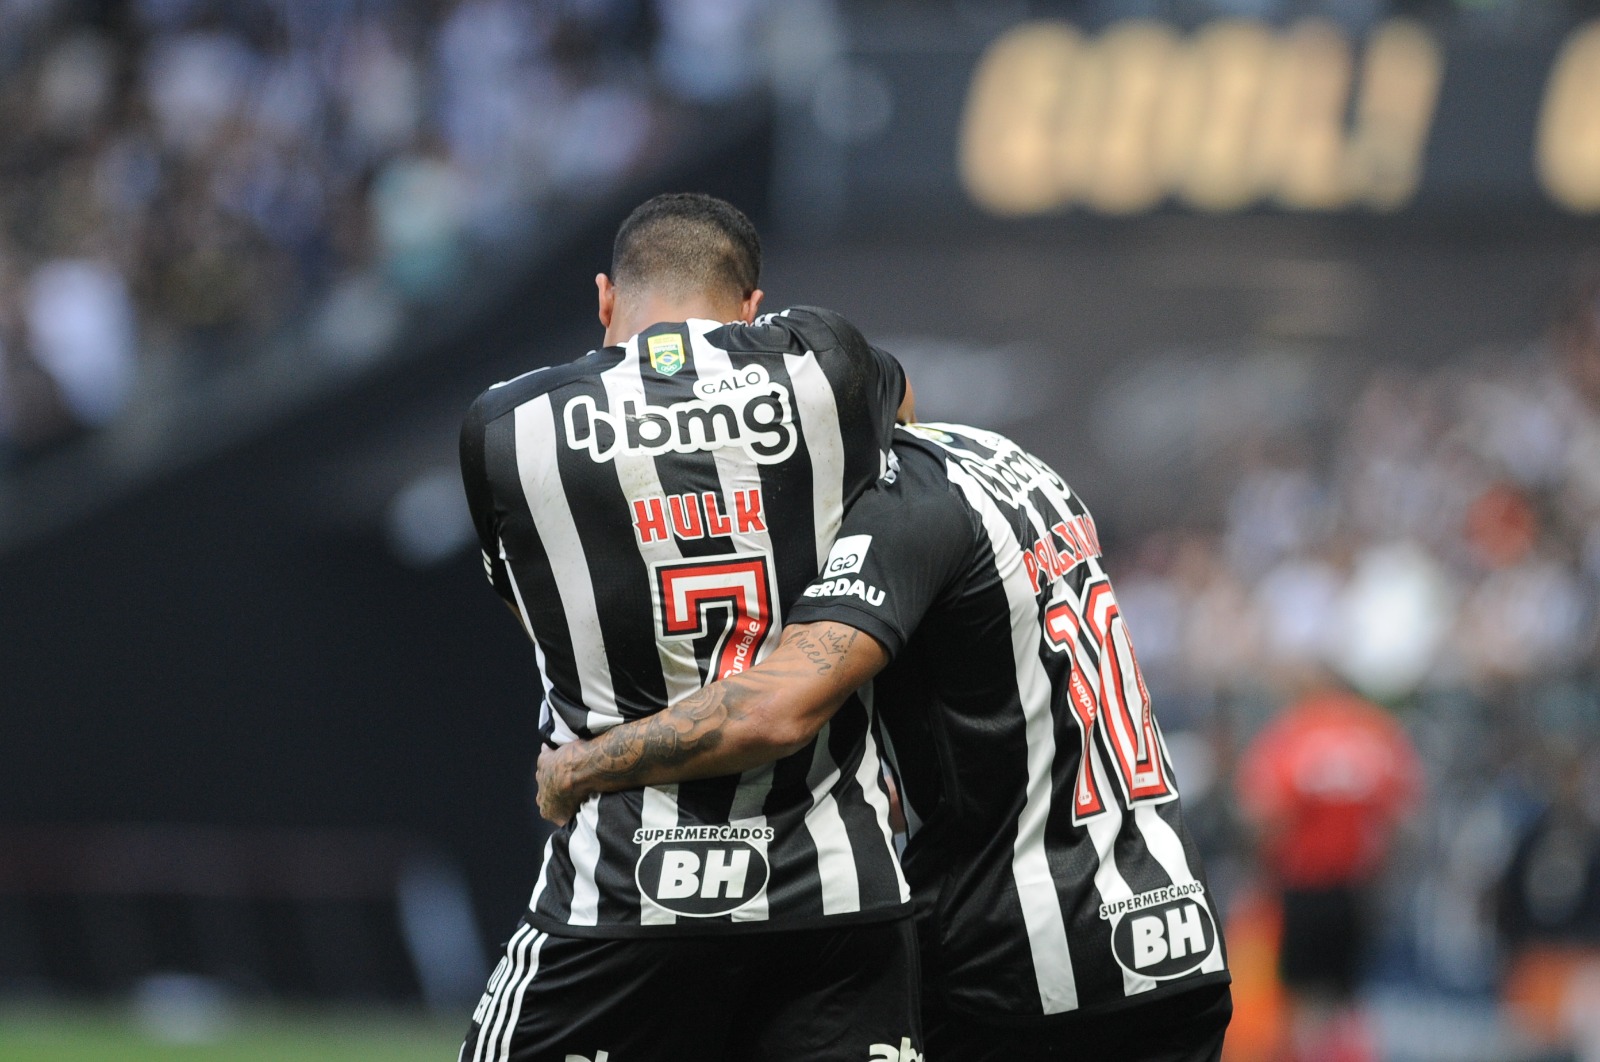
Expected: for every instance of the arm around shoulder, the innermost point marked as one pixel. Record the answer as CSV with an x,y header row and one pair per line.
x,y
730,726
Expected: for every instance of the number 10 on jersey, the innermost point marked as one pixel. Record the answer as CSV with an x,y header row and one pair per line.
x,y
1108,694
730,595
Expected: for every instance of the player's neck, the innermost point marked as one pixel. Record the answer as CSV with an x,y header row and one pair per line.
x,y
648,308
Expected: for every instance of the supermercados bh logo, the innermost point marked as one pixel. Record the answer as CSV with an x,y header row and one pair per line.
x,y
702,871
745,408
1164,933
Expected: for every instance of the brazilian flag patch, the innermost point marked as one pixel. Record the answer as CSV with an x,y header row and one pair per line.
x,y
666,354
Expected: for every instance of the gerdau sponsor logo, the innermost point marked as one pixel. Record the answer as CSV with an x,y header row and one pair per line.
x,y
846,588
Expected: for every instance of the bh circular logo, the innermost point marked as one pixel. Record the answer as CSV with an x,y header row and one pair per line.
x,y
1166,940
702,878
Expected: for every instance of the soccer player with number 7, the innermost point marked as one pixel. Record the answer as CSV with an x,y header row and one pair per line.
x,y
645,511
1061,905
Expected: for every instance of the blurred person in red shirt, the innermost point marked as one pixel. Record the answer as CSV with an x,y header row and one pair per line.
x,y
1325,785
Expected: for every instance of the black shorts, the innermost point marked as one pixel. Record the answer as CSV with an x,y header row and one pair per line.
x,y
1325,935
1187,1027
849,994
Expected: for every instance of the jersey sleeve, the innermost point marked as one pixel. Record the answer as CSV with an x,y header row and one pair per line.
x,y
486,513
902,546
879,374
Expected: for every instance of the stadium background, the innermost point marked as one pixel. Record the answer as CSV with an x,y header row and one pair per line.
x,y
1270,282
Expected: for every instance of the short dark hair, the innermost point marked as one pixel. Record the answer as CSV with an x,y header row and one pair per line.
x,y
686,242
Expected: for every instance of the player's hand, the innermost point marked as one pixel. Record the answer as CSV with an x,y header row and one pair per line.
x,y
557,801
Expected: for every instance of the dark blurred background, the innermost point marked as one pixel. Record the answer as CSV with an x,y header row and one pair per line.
x,y
1297,293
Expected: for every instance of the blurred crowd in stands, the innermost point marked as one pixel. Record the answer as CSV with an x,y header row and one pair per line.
x,y
1447,538
1438,556
185,182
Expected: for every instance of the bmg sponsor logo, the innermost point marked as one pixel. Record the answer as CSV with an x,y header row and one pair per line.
x,y
757,416
1162,938
703,878
1012,473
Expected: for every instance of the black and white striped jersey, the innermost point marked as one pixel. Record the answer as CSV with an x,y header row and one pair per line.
x,y
649,509
1047,851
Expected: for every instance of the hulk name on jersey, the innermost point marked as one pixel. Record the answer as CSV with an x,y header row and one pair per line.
x,y
1047,851
649,509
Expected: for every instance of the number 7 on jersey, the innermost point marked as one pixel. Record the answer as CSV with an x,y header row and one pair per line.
x,y
736,585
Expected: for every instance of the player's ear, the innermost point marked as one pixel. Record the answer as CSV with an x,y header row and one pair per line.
x,y
751,305
907,413
608,298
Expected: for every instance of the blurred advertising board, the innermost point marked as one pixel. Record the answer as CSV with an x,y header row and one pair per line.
x,y
1045,117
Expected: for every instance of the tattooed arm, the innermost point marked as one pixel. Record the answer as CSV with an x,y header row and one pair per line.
x,y
729,726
